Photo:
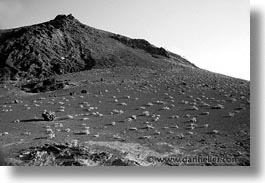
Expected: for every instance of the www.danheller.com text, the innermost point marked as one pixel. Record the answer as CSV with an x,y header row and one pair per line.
x,y
192,159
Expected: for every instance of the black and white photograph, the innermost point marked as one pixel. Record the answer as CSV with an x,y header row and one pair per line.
x,y
125,83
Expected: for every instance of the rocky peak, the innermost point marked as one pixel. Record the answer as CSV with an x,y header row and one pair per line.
x,y
63,17
63,20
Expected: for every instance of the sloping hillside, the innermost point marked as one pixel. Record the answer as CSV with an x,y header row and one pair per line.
x,y
64,45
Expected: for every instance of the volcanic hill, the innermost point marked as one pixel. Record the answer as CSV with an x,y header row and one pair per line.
x,y
64,45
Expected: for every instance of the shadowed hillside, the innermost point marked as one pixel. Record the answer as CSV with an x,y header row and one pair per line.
x,y
64,45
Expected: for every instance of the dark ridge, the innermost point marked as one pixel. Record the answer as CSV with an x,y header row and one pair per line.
x,y
65,45
141,44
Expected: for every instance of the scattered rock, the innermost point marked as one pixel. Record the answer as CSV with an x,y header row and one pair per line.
x,y
84,91
48,115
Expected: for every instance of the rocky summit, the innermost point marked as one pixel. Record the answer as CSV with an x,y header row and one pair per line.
x,y
65,45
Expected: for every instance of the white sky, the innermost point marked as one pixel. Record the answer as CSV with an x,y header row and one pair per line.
x,y
212,34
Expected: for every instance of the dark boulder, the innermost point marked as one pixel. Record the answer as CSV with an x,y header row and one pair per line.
x,y
48,115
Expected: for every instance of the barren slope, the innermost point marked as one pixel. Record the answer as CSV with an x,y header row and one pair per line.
x,y
64,45
131,114
117,101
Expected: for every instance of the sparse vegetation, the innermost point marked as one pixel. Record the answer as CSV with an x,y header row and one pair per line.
x,y
115,114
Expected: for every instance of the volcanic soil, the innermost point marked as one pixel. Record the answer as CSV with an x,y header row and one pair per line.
x,y
133,113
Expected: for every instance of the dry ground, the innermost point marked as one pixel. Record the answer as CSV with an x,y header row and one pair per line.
x,y
133,114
